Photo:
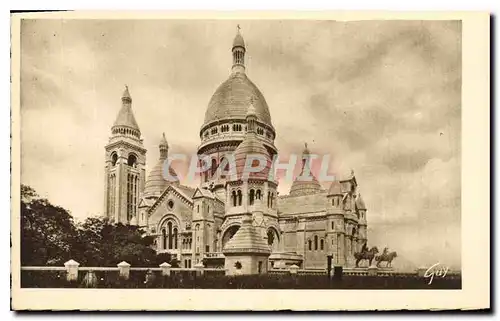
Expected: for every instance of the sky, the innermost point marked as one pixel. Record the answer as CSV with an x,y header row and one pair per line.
x,y
381,97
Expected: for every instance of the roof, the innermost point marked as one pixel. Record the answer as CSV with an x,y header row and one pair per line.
x,y
247,240
232,98
156,182
203,192
146,202
360,203
186,190
251,146
238,41
126,116
335,188
303,204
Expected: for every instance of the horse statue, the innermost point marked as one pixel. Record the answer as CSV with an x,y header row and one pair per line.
x,y
366,255
386,256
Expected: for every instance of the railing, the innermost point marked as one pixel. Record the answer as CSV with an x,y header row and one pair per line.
x,y
164,276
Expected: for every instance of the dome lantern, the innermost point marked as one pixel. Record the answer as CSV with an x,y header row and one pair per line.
x,y
306,183
251,117
238,53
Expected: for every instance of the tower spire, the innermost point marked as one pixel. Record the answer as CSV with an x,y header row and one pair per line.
x,y
125,123
126,98
238,52
305,156
163,147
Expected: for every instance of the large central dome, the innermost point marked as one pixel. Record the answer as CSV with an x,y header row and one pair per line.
x,y
232,98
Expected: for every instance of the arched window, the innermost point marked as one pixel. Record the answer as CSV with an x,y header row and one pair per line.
x,y
257,194
224,167
310,245
214,167
175,238
322,244
114,159
169,226
268,199
270,237
164,238
315,242
233,197
333,226
252,195
197,208
240,197
132,160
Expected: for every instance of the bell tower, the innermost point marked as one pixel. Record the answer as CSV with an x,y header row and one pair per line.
x,y
124,166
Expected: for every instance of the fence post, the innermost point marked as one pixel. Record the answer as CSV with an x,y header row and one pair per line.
x,y
124,270
165,268
199,267
293,269
72,270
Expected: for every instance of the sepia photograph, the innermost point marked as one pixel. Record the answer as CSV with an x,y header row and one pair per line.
x,y
240,153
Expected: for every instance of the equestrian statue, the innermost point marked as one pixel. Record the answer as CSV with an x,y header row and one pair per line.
x,y
365,254
386,256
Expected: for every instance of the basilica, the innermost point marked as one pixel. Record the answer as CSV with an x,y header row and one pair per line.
x,y
227,219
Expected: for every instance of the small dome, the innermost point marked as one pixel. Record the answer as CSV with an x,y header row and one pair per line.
x,y
156,183
238,41
251,146
305,186
335,188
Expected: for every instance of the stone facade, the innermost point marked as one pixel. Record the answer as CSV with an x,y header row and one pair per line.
x,y
196,224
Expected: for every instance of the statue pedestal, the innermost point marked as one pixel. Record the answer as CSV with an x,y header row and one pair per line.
x,y
372,270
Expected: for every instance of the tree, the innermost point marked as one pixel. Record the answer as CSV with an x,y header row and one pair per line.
x,y
47,231
49,236
102,243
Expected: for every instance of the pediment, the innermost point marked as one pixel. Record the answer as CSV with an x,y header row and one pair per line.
x,y
172,191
